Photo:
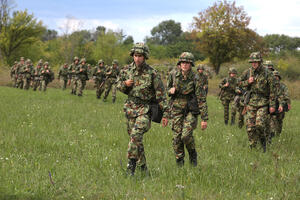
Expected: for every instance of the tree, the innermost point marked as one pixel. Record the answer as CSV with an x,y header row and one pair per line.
x,y
222,33
128,40
277,43
49,35
21,30
166,32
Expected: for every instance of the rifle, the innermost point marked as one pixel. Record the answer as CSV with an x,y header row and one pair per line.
x,y
222,90
247,95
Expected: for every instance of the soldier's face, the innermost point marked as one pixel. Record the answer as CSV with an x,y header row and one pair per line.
x,y
138,58
76,61
83,63
185,66
200,71
232,75
22,62
101,64
255,65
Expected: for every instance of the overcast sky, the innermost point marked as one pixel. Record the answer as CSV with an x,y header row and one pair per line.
x,y
138,17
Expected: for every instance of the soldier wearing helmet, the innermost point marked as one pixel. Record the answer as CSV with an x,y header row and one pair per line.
x,y
13,73
19,72
72,75
111,76
188,100
81,71
63,74
227,94
27,74
268,64
203,78
47,76
143,86
37,76
260,101
99,78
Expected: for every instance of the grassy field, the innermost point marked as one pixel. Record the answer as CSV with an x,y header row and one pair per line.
x,y
82,143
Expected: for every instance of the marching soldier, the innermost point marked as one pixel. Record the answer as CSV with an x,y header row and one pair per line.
x,y
99,78
110,83
63,74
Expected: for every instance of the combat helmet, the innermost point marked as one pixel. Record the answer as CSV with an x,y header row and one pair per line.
x,y
269,65
140,48
232,70
100,61
22,59
200,67
186,57
255,57
28,61
115,62
76,58
276,73
170,68
82,60
16,62
40,62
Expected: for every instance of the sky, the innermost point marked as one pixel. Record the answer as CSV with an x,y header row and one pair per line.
x,y
138,17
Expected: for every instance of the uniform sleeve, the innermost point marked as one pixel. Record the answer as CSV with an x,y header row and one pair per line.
x,y
201,98
272,97
221,85
244,79
160,94
120,82
286,95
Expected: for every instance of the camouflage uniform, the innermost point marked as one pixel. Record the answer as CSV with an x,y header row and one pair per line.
x,y
99,78
238,105
27,74
81,76
72,75
20,75
13,73
203,78
183,121
262,97
147,86
111,76
37,76
227,95
64,73
46,76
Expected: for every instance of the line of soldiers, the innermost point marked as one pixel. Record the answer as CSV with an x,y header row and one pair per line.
x,y
24,75
259,95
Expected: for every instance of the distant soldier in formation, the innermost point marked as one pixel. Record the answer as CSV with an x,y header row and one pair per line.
x,y
283,104
238,105
110,83
20,68
72,75
81,76
269,65
37,76
63,74
227,94
142,84
90,71
99,78
13,73
46,76
202,77
27,74
188,100
259,83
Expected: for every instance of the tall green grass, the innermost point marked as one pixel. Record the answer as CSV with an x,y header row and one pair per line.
x,y
82,143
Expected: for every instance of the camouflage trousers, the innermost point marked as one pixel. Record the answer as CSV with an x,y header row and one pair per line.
x,y
110,85
64,83
257,120
37,84
80,86
20,83
225,103
26,82
182,127
136,127
44,85
73,85
237,107
99,88
14,81
276,122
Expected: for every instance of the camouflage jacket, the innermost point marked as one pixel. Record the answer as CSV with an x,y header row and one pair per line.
x,y
262,89
72,70
184,88
147,87
13,70
47,74
99,73
203,80
282,94
37,72
81,72
63,72
230,91
114,72
27,71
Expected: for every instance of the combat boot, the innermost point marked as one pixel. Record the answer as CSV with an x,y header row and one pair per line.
x,y
114,100
232,121
180,162
263,143
104,100
226,122
241,124
98,97
193,157
131,166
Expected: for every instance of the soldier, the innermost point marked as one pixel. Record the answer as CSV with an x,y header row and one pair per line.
x,y
260,99
268,64
20,67
283,104
63,73
188,100
37,76
81,76
111,77
202,77
142,84
238,105
99,78
13,73
227,94
46,76
27,74
72,75
90,71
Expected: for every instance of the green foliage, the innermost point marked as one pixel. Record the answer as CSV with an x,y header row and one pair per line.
x,y
83,142
223,34
278,43
22,30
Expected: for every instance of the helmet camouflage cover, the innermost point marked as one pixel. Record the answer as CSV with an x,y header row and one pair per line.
x,y
82,60
232,70
76,58
255,57
186,57
140,48
276,73
115,62
200,67
100,61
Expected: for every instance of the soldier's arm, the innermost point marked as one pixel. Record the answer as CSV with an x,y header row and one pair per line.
x,y
160,94
121,83
286,95
272,98
201,98
221,85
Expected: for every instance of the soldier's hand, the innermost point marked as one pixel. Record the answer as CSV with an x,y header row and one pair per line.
x,y
289,106
226,84
81,70
251,79
271,109
203,125
280,109
128,83
164,122
172,90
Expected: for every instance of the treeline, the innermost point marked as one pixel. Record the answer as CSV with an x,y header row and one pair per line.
x,y
218,35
